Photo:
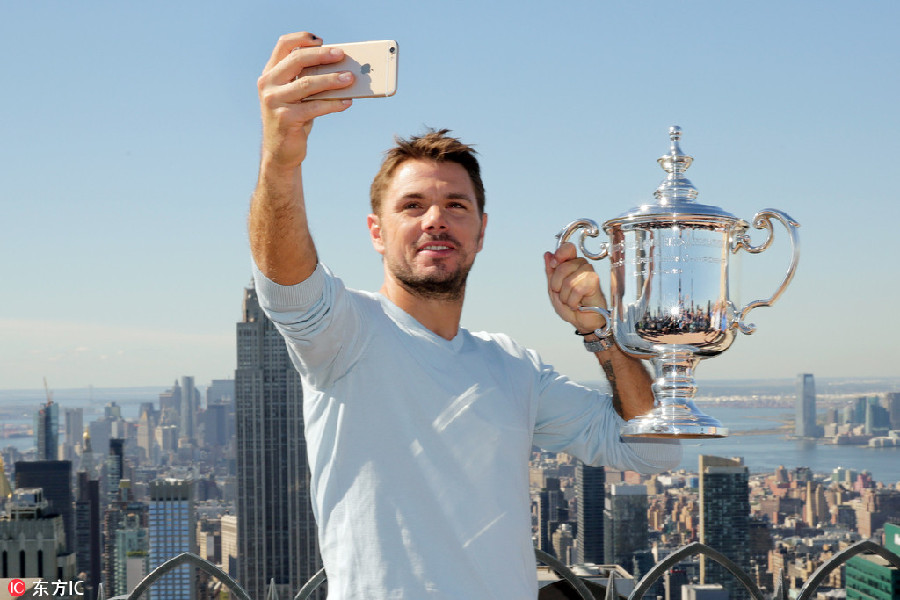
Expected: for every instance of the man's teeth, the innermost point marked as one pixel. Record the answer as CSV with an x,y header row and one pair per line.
x,y
437,247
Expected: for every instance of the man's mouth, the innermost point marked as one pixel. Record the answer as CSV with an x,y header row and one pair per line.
x,y
442,246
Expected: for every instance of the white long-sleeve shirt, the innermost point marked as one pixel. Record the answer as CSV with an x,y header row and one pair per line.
x,y
419,446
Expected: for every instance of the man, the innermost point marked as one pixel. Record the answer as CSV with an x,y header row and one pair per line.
x,y
418,431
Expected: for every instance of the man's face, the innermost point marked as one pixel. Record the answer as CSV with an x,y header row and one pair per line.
x,y
429,229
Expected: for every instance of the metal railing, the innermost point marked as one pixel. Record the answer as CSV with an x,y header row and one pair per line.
x,y
652,576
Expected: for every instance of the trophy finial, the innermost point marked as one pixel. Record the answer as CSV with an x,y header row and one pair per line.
x,y
675,187
675,137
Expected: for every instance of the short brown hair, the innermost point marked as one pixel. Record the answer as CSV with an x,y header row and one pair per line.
x,y
433,145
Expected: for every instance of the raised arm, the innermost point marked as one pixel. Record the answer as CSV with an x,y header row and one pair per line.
x,y
572,282
280,239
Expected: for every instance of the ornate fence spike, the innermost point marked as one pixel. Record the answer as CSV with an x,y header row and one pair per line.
x,y
781,587
809,588
310,586
611,586
565,572
272,591
203,565
691,549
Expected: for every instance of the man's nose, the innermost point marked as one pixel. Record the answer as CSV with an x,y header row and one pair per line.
x,y
434,218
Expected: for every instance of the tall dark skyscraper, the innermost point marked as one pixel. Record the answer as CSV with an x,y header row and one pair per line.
x,y
725,519
276,530
625,527
550,501
46,431
590,483
805,407
115,468
87,532
55,478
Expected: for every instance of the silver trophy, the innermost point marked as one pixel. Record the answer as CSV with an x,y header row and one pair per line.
x,y
669,290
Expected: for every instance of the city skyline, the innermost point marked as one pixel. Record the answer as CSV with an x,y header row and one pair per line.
x,y
759,414
129,198
792,500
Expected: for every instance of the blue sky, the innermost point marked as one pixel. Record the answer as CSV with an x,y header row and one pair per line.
x,y
130,135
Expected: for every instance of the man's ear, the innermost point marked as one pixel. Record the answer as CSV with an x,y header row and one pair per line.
x,y
374,225
483,227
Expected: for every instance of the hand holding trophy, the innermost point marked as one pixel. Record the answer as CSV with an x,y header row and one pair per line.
x,y
669,290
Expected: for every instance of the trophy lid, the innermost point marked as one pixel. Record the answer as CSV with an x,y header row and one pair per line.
x,y
675,196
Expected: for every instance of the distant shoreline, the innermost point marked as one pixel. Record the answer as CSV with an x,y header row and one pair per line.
x,y
825,386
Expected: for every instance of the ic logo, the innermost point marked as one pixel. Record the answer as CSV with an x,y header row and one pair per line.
x,y
16,587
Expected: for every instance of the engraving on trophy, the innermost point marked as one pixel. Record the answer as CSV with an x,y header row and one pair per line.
x,y
670,294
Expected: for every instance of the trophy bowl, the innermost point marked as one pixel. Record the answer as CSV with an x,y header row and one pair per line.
x,y
669,291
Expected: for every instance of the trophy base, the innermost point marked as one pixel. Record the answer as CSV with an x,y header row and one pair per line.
x,y
681,422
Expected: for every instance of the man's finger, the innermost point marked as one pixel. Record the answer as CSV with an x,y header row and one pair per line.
x,y
566,251
288,42
563,271
293,65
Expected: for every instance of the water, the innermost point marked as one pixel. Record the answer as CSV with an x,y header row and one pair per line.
x,y
17,407
763,453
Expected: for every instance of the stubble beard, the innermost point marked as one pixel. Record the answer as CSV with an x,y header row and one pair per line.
x,y
442,285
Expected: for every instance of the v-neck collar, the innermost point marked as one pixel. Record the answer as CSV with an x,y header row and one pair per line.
x,y
412,325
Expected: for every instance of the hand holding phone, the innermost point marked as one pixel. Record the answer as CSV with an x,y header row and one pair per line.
x,y
374,68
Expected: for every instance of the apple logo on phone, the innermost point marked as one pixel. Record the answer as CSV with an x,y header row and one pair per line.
x,y
365,69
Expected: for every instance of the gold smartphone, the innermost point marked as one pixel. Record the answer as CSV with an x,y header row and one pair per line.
x,y
373,64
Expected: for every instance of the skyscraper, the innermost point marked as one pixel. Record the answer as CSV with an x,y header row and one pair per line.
x,y
276,530
625,528
31,540
125,526
892,400
87,532
550,500
725,519
74,428
189,405
171,532
590,483
805,407
115,468
46,431
55,478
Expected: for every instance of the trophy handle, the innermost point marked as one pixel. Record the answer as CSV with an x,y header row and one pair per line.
x,y
606,330
763,220
590,229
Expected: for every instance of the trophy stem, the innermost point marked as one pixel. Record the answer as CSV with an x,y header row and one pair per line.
x,y
674,414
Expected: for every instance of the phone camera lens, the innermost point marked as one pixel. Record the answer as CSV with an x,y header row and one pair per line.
x,y
392,50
